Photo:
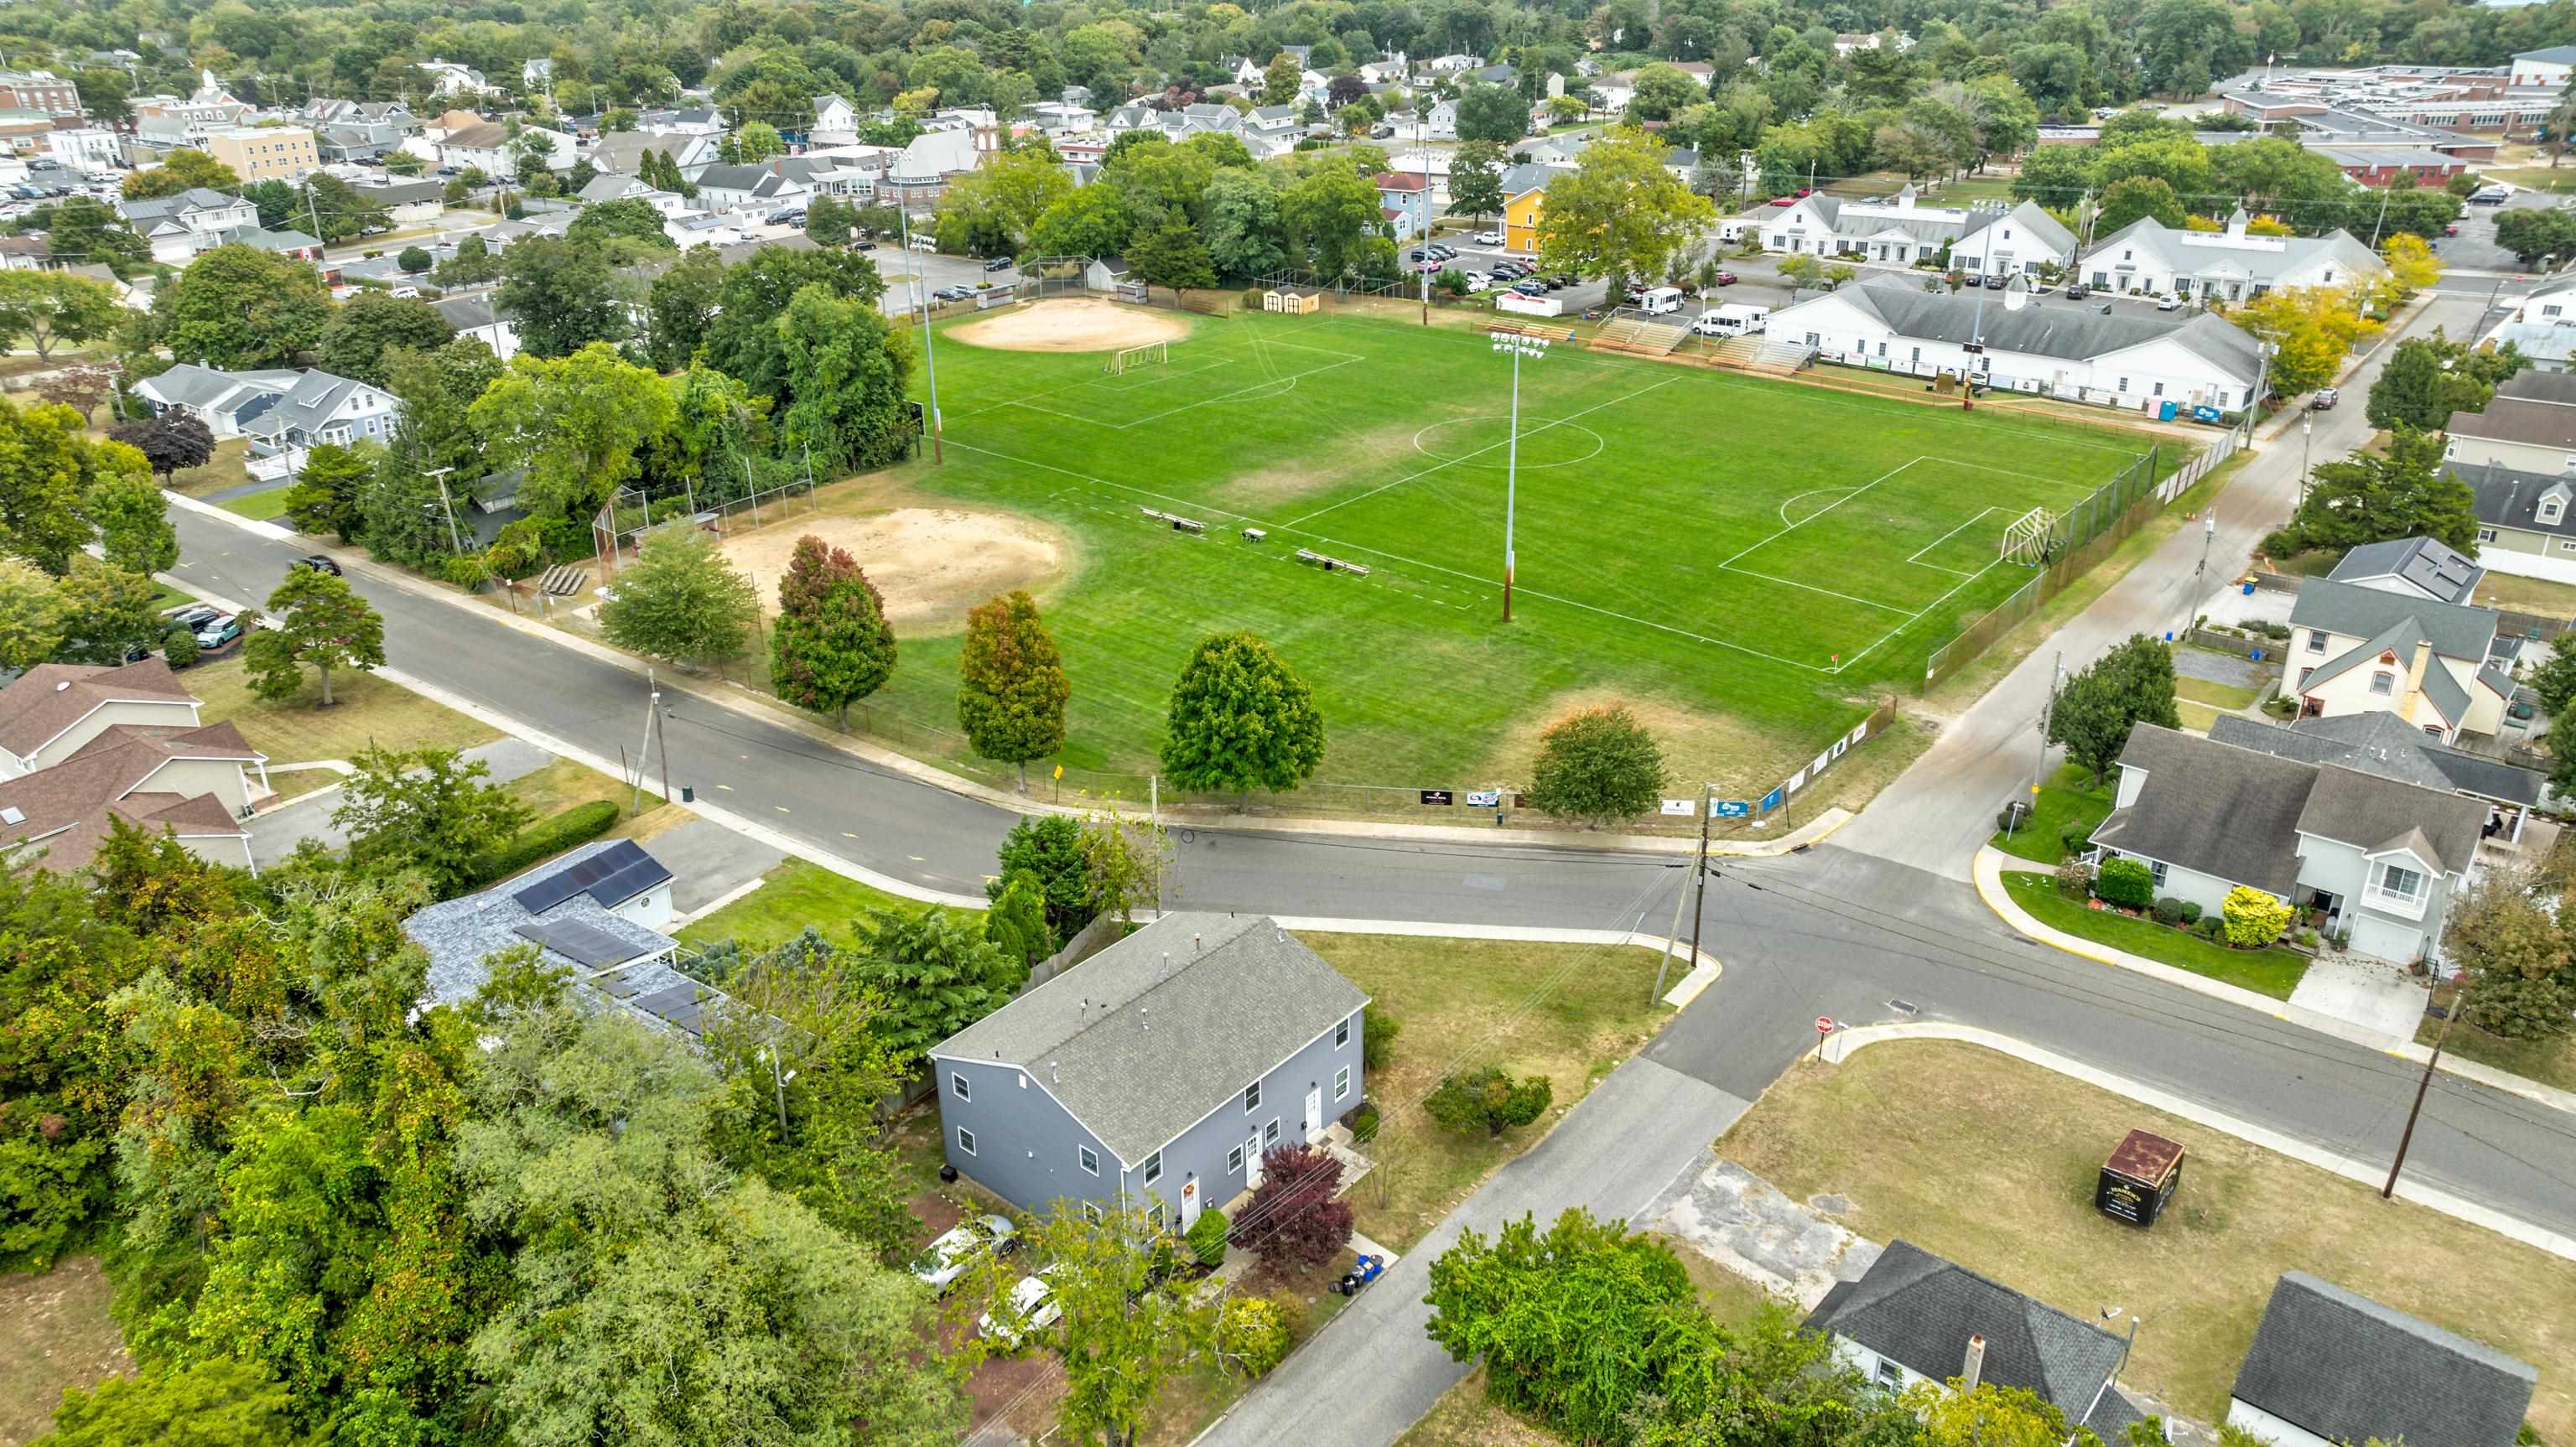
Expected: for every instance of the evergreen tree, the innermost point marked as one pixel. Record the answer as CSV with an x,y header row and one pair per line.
x,y
1011,688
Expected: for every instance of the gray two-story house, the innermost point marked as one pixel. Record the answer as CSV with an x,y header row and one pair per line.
x,y
1155,1072
2380,856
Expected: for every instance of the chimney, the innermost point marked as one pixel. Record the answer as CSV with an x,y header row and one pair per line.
x,y
2414,680
1974,1366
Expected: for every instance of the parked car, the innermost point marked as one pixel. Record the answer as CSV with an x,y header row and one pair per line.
x,y
2324,401
998,263
2169,303
194,615
945,1259
318,562
863,244
1726,278
218,633
1489,238
1784,200
2451,229
1443,250
2489,196
1996,281
2075,291
1032,1310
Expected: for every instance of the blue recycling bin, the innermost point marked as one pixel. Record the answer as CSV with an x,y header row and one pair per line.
x,y
2257,653
2249,587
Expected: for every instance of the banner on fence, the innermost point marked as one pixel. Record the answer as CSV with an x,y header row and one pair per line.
x,y
1686,808
1731,809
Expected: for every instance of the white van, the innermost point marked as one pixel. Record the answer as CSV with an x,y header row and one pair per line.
x,y
1732,320
1660,301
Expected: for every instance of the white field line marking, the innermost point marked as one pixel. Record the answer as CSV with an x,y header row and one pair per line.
x,y
1479,452
1793,497
1828,592
1219,356
1890,410
1820,512
1928,607
1917,557
1237,394
2025,476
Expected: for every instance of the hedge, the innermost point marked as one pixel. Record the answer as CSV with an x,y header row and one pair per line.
x,y
1206,1237
552,835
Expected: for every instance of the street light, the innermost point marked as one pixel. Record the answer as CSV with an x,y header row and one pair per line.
x,y
1519,347
2307,434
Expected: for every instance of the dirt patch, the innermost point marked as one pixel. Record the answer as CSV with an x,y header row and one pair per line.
x,y
931,563
1696,745
1329,467
55,1332
1078,324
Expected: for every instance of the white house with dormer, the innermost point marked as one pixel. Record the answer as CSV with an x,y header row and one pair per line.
x,y
836,121
1904,231
2233,265
193,221
2359,649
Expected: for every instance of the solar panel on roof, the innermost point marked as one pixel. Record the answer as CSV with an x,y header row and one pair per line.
x,y
619,985
629,881
583,944
678,1005
613,875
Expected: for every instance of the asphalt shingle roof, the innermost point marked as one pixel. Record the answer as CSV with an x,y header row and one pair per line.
x,y
2042,328
2374,814
52,697
2347,1369
2226,812
2449,576
1919,1310
1142,1040
461,935
2525,420
2381,743
2359,612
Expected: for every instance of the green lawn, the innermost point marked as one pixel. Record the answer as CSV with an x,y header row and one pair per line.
x,y
2063,802
1759,554
793,895
2274,972
258,506
2551,1061
2216,695
366,710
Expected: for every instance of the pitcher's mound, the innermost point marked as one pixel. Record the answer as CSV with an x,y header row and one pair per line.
x,y
931,563
1075,324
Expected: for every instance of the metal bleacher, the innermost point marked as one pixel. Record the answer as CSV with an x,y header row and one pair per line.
x,y
1642,335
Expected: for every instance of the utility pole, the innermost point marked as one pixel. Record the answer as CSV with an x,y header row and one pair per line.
x,y
2383,218
1519,347
454,545
2307,434
1699,902
2406,1137
2192,594
1672,941
2047,713
661,739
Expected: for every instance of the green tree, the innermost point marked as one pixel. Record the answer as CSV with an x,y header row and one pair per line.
x,y
631,220
217,1402
107,612
1492,113
1093,221
1242,225
743,337
404,516
2518,966
413,260
2555,679
561,296
47,465
181,170
1124,859
2096,709
1990,1416
1572,1325
1017,922
2401,493
340,211
831,221
997,205
354,342
681,600
1662,90
474,264
329,493
237,308
31,615
846,372
91,230
936,972
319,622
830,646
1619,210
757,141
1128,1327
1476,180
1011,688
1280,78
2429,378
1172,256
426,809
681,304
2533,233
49,308
2136,198
134,532
1488,1098
577,425
1048,849
1241,719
1597,764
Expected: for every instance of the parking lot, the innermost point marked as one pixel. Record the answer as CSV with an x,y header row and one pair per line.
x,y
899,267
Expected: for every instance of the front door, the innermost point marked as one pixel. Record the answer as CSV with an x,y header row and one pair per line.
x,y
1190,1204
1314,1115
1252,1164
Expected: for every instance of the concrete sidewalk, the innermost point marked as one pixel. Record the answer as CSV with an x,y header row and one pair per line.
x,y
1989,871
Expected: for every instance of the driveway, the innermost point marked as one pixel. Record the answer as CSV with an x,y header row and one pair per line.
x,y
709,861
275,832
1371,1372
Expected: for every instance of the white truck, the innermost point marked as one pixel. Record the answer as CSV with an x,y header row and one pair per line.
x,y
1735,319
1528,306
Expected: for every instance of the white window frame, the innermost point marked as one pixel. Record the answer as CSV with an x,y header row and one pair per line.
x,y
1153,1168
1234,1161
1342,1034
1252,1097
1270,1133
2383,684
1091,1212
2316,640
2388,871
965,1140
2486,535
1087,1158
1342,1083
2156,872
958,1087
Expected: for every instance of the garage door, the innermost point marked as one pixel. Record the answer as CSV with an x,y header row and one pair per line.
x,y
2386,939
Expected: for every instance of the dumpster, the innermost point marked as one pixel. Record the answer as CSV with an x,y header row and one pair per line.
x,y
2141,1176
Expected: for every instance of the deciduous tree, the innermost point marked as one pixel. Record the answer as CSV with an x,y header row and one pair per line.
x,y
354,342
108,612
936,972
831,646
320,622
1597,764
49,308
681,600
329,492
182,169
1296,1218
1492,113
170,443
238,307
31,615
846,371
1172,256
1011,688
1619,210
2093,714
2136,198
2518,966
576,424
561,296
2367,498
134,532
1476,180
1241,719
426,809
1048,849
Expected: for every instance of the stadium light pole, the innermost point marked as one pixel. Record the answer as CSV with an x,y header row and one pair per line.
x,y
929,349
1519,347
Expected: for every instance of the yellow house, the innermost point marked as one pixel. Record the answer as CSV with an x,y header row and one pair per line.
x,y
1520,220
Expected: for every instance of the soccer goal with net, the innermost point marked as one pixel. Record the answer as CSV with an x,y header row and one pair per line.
x,y
2031,539
1144,356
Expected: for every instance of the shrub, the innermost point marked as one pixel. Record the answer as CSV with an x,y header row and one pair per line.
x,y
2074,881
2210,927
1294,1219
1206,1236
2191,911
2126,883
2077,838
2252,917
1490,1098
1364,1122
179,649
551,835
1377,1038
1253,1332
2168,911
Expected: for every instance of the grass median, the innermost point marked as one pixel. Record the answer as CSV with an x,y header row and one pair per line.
x,y
2067,800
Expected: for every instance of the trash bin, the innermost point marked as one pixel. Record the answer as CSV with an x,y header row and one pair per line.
x,y
2165,411
2248,586
688,794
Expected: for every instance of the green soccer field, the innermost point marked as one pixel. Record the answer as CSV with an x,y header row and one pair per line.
x,y
1749,562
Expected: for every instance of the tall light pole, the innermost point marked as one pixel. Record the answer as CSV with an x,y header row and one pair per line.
x,y
929,349
2307,435
2191,594
1519,347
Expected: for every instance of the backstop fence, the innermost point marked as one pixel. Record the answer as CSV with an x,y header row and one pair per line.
x,y
2093,527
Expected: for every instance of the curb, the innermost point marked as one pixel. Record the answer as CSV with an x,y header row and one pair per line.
x,y
1702,974
1988,873
1842,1043
742,701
